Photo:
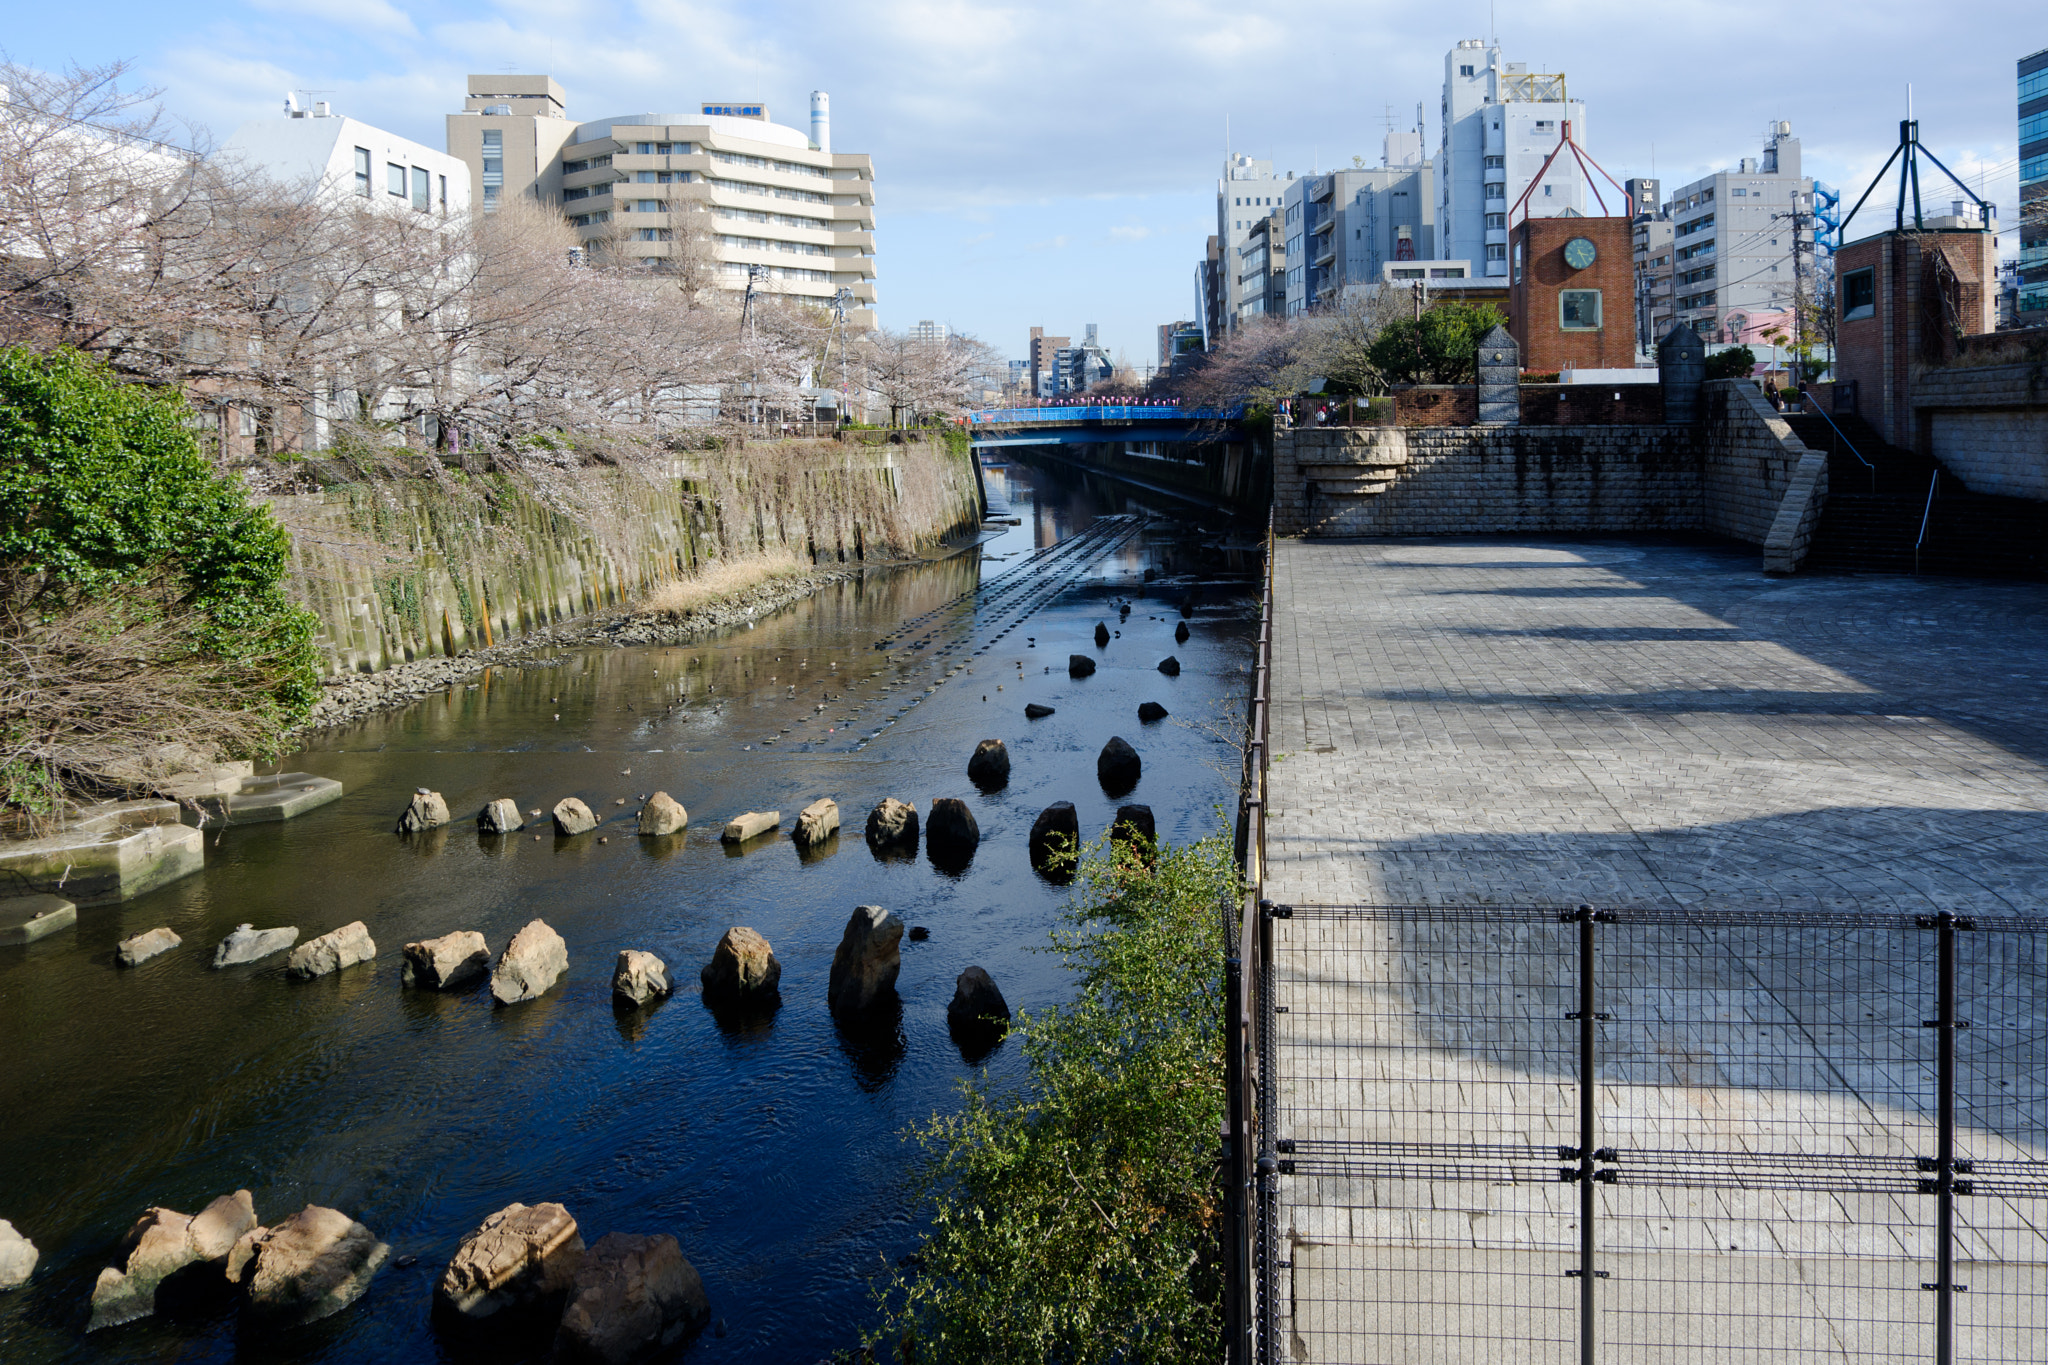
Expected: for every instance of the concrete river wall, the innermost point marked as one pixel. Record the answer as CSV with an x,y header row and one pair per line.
x,y
406,568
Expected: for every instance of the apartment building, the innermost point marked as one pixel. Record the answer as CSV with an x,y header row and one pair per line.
x,y
1500,122
1343,227
927,330
1259,275
2032,307
781,210
1077,369
1044,376
1246,196
1739,240
1650,235
1211,294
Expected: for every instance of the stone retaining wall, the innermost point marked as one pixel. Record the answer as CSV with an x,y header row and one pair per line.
x,y
1988,425
399,570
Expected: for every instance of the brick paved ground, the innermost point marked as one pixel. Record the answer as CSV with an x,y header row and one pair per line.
x,y
1545,723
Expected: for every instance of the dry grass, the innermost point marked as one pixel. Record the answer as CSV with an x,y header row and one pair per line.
x,y
720,579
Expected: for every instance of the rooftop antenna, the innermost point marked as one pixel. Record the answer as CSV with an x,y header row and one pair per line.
x,y
1586,163
1908,154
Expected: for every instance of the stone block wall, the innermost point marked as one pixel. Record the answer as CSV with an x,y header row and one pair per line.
x,y
1748,458
1579,405
1988,425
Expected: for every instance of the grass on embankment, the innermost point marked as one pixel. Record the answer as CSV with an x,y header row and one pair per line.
x,y
717,580
1076,1218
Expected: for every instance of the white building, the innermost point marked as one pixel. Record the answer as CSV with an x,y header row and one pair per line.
x,y
343,156
1343,226
1737,242
1499,123
1246,196
927,330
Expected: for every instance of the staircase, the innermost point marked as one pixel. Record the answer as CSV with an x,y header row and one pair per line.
x,y
1872,520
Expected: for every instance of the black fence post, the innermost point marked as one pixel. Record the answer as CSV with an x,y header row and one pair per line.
x,y
1587,1275
1944,1025
1237,1285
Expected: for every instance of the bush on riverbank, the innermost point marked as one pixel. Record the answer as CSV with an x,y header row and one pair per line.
x,y
1077,1219
141,597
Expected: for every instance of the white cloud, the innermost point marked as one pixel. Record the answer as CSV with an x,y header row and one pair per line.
x,y
381,15
1124,232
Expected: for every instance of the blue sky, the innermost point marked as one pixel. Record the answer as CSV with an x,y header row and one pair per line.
x,y
1056,165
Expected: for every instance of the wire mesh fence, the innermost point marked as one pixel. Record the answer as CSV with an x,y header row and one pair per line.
x,y
1522,1133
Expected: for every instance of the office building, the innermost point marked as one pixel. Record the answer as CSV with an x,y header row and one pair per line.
x,y
2032,306
313,146
1043,350
1077,369
780,209
1740,241
1343,227
1260,277
1500,123
1247,195
927,330
1212,292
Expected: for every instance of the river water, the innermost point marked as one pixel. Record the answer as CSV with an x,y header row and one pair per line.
x,y
773,1147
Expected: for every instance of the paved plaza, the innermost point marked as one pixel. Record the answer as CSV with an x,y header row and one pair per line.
x,y
1491,723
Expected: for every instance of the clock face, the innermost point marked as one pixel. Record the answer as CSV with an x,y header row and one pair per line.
x,y
1579,253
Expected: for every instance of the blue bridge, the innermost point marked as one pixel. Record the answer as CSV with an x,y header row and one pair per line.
x,y
1203,455
1099,423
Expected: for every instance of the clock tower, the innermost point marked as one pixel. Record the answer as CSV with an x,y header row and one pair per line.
x,y
1571,293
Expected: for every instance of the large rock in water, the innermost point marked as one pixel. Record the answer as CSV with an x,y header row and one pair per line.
x,y
572,817
742,964
500,817
1117,767
865,965
1055,837
1079,665
17,1257
312,1265
892,826
750,825
162,1243
444,963
632,1297
663,814
426,811
531,963
1149,711
1180,633
345,947
816,823
1170,666
248,945
640,977
1134,822
978,1008
1101,633
133,952
951,835
520,1261
989,766
1036,712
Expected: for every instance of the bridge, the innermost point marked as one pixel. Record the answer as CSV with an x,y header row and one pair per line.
x,y
1102,423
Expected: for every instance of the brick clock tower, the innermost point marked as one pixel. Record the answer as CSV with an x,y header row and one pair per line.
x,y
1571,293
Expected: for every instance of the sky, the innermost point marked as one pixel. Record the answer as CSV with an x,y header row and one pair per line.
x,y
1056,165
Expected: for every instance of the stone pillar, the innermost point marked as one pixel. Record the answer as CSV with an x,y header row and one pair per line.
x,y
1681,369
1500,380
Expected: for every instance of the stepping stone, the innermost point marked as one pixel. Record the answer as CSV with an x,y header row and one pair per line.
x,y
24,919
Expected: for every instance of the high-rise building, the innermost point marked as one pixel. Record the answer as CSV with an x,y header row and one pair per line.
x,y
1044,377
1077,369
1739,242
1344,226
782,210
1246,196
2033,299
927,330
1499,124
1212,294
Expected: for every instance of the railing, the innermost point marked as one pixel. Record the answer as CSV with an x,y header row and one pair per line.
x,y
1101,412
1806,400
1926,514
1247,1249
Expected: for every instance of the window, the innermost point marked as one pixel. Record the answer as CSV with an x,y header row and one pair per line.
x,y
643,148
444,194
653,234
394,179
1464,71
1496,163
422,189
647,206
1497,252
1859,294
2033,85
1518,261
1547,190
664,178
1578,310
363,172
1496,220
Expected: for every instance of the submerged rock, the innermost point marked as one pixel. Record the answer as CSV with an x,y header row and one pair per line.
x,y
865,965
18,1257
742,964
816,823
312,1265
631,1297
444,963
520,1261
640,977
425,811
330,952
989,766
248,945
500,817
1118,767
892,825
1055,837
133,952
531,964
663,814
572,817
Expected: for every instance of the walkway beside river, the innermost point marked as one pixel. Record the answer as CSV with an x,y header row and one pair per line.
x,y
1494,723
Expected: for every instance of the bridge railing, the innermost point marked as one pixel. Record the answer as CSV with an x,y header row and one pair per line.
x,y
1103,412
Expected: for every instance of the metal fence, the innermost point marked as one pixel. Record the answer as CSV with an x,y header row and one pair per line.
x,y
1529,1134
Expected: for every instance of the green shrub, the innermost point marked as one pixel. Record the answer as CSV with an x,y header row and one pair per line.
x,y
1737,362
140,587
1440,347
1077,1219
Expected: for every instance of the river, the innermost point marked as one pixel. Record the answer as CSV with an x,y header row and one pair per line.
x,y
772,1148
